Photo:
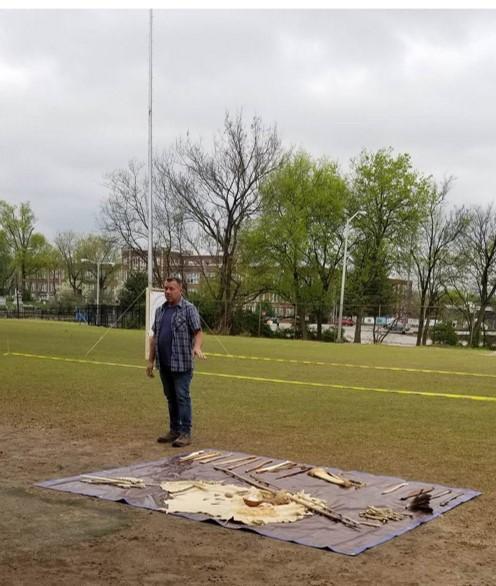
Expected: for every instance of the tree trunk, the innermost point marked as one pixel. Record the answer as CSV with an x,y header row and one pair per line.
x,y
303,325
422,314
478,326
358,327
425,330
319,323
225,318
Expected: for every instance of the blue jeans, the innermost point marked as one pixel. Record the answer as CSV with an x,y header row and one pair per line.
x,y
176,390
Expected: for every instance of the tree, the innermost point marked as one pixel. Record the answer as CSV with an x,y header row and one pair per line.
x,y
430,250
478,246
294,247
391,196
68,245
125,215
51,262
6,264
133,290
94,250
18,224
218,191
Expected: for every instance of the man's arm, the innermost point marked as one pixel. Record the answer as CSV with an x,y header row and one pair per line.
x,y
197,344
151,357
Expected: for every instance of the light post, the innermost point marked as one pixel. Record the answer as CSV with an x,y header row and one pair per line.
x,y
343,276
98,263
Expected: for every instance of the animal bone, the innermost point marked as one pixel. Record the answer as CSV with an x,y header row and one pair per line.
x,y
392,489
334,478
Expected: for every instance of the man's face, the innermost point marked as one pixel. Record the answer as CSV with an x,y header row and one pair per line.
x,y
172,291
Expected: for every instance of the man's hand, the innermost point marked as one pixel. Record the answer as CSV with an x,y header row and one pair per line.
x,y
149,369
199,353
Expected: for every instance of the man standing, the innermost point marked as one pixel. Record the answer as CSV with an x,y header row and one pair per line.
x,y
177,339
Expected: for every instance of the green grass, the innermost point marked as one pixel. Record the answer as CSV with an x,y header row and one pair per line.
x,y
425,438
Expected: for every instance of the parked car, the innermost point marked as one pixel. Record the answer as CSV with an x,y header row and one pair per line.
x,y
400,328
346,321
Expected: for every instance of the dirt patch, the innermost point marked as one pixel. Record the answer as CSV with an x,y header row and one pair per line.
x,y
53,538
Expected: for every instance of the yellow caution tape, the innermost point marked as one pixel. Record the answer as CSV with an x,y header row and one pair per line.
x,y
347,365
268,380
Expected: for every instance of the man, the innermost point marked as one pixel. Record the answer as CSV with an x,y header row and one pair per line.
x,y
177,339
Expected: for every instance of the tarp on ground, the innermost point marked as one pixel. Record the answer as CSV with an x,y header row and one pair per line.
x,y
314,531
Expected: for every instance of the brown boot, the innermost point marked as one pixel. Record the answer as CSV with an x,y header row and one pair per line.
x,y
182,441
168,438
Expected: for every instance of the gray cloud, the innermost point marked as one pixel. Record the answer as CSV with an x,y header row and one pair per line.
x,y
73,92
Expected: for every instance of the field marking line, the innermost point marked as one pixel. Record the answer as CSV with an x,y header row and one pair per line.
x,y
267,380
348,365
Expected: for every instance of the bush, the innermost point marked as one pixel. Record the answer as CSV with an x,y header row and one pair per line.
x,y
444,333
247,322
328,335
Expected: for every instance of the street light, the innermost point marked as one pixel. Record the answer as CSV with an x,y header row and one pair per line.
x,y
99,263
343,276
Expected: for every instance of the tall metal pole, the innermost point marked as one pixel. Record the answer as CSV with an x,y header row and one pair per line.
x,y
343,276
150,161
98,263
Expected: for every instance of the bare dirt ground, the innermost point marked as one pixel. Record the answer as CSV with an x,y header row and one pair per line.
x,y
48,537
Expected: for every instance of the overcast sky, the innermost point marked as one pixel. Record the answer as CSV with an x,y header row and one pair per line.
x,y
74,93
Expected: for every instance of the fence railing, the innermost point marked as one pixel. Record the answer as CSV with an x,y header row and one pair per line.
x,y
104,315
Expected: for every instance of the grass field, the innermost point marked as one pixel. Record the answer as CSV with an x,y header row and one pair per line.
x,y
334,417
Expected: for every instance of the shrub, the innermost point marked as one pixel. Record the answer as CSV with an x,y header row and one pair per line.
x,y
444,333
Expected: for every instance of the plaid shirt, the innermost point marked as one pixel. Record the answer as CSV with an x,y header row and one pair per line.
x,y
185,323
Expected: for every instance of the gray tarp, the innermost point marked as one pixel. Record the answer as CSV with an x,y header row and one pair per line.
x,y
315,531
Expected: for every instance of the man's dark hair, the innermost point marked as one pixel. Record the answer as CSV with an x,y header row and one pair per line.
x,y
178,280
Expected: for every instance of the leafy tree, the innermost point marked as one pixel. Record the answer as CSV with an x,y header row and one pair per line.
x,y
132,292
6,264
391,196
294,246
94,250
132,299
18,224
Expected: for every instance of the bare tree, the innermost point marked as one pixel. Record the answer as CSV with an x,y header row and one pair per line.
x,y
460,291
125,215
218,190
67,243
430,250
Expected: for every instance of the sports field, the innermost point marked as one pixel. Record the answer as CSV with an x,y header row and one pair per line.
x,y
419,413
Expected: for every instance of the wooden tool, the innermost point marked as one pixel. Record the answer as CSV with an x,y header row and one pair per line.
x,y
452,498
440,494
274,467
215,458
303,470
259,465
241,462
416,493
